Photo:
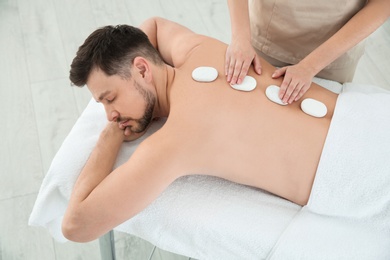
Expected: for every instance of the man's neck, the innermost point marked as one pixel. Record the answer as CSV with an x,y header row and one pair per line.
x,y
163,82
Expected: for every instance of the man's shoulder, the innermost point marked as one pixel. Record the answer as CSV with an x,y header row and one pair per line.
x,y
159,152
195,45
186,47
159,142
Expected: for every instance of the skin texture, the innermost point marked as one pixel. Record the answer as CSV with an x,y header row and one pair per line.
x,y
211,129
297,78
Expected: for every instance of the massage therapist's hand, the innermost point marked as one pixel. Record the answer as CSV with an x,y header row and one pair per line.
x,y
239,56
297,80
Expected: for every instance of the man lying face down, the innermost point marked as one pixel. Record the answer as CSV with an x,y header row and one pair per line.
x,y
211,128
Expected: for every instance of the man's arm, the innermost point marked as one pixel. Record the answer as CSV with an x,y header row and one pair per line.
x,y
172,40
102,199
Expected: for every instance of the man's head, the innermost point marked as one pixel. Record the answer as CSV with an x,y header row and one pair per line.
x,y
115,64
112,50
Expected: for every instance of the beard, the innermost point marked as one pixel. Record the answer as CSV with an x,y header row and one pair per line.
x,y
147,118
143,122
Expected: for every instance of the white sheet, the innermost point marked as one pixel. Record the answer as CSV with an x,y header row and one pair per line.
x,y
348,213
199,216
356,158
319,237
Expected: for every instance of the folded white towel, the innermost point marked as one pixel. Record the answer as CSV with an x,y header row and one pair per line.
x,y
353,177
348,213
313,236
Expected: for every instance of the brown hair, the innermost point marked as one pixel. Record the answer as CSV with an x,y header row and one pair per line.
x,y
111,49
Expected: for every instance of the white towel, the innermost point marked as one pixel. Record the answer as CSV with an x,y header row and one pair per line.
x,y
209,218
348,213
353,177
313,236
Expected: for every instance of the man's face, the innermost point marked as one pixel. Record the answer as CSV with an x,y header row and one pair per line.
x,y
128,102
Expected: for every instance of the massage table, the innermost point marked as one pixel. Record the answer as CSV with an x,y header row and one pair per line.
x,y
204,217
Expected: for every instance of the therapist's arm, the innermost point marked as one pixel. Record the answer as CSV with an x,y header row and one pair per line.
x,y
240,53
298,77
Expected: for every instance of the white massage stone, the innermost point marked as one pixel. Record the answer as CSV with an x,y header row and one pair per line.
x,y
272,93
248,84
313,107
204,74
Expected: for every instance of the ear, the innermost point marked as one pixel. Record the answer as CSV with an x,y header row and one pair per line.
x,y
143,68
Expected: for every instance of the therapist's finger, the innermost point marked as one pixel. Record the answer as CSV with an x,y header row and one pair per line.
x,y
279,72
230,69
295,93
283,87
302,92
227,64
290,89
244,71
257,64
237,70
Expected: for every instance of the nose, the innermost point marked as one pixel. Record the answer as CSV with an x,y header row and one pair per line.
x,y
112,115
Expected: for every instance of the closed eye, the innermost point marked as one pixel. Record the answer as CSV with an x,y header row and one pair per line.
x,y
109,101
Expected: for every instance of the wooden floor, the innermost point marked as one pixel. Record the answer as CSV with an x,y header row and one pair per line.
x,y
38,40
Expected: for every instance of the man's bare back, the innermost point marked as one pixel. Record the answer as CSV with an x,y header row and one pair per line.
x,y
243,136
211,128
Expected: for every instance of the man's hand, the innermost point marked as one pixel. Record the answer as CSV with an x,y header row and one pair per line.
x,y
128,135
116,131
297,80
239,56
126,132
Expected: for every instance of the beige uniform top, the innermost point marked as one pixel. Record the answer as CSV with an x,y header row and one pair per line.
x,y
288,30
